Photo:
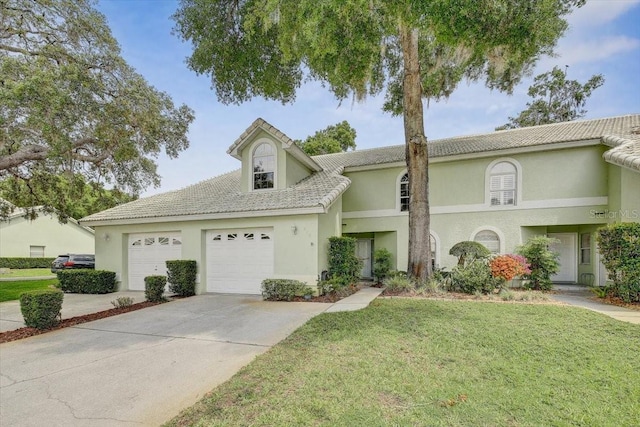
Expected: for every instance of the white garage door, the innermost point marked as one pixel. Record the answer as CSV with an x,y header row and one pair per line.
x,y
239,260
148,253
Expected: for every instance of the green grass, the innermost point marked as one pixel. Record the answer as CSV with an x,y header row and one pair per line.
x,y
438,363
10,291
27,272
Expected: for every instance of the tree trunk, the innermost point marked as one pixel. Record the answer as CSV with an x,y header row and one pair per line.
x,y
417,158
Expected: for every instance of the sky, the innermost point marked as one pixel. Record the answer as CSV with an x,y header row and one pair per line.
x,y
603,38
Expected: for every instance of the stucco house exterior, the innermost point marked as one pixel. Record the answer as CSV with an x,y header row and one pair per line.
x,y
272,217
43,237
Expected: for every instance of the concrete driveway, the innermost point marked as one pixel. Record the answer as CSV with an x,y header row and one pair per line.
x,y
139,368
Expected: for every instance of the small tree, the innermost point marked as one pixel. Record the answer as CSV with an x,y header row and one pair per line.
x,y
469,251
344,265
619,245
382,263
543,262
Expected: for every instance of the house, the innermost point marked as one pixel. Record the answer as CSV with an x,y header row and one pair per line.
x,y
43,237
274,215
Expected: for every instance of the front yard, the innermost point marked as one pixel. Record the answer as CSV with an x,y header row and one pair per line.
x,y
453,363
11,290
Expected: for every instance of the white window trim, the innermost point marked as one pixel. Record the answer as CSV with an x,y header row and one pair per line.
x,y
252,149
398,205
436,238
487,183
490,228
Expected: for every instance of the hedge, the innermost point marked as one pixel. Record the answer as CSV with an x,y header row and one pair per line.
x,y
284,289
181,275
41,309
22,263
87,281
154,288
619,247
344,265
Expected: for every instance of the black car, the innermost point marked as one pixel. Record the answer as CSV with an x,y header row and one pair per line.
x,y
69,261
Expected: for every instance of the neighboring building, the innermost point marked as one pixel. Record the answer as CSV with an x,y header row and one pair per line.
x,y
273,217
43,237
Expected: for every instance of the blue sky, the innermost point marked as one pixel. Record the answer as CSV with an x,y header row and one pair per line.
x,y
604,37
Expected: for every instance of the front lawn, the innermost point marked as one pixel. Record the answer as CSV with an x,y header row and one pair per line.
x,y
27,272
439,363
11,290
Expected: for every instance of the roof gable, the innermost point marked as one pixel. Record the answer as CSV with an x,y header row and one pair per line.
x,y
288,145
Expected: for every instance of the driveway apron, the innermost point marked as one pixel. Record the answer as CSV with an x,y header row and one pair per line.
x,y
139,368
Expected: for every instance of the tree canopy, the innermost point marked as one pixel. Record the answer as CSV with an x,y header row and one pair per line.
x,y
332,139
72,111
555,100
408,50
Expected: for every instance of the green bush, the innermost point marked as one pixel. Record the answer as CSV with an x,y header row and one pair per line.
x,y
619,246
399,283
154,288
543,262
469,251
41,309
326,287
382,263
283,289
22,263
473,277
122,302
181,275
344,265
87,281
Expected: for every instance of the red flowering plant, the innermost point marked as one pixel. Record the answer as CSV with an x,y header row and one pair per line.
x,y
506,267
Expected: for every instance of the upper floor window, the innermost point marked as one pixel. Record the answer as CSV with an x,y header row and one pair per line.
x,y
404,193
264,161
503,184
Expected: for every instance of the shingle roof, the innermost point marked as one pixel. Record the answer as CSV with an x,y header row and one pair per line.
x,y
222,195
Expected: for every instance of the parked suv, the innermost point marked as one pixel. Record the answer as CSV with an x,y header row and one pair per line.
x,y
69,261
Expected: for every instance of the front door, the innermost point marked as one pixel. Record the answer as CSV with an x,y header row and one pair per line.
x,y
568,250
363,251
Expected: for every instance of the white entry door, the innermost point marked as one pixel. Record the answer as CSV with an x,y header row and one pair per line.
x,y
239,260
148,253
568,250
363,251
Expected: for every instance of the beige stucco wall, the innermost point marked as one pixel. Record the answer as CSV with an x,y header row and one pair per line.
x,y
295,253
18,234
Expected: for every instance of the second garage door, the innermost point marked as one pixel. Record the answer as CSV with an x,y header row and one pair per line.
x,y
148,253
238,260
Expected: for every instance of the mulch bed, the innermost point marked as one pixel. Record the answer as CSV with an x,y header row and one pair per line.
x,y
333,296
617,301
27,332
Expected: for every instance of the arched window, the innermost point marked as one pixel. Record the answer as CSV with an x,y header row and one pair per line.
x,y
263,166
503,184
489,239
404,193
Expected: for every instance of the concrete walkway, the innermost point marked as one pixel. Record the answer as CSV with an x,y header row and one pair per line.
x,y
580,296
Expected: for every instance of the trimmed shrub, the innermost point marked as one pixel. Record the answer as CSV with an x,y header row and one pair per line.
x,y
382,262
181,275
543,262
619,246
22,263
344,265
41,309
283,289
469,251
507,267
328,286
474,277
154,288
122,302
87,281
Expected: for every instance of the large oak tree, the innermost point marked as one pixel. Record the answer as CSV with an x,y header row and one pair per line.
x,y
72,111
411,50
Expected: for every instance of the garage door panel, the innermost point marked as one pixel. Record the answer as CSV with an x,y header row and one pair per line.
x,y
148,253
238,260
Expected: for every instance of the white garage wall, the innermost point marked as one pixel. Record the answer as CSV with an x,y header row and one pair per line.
x,y
296,255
